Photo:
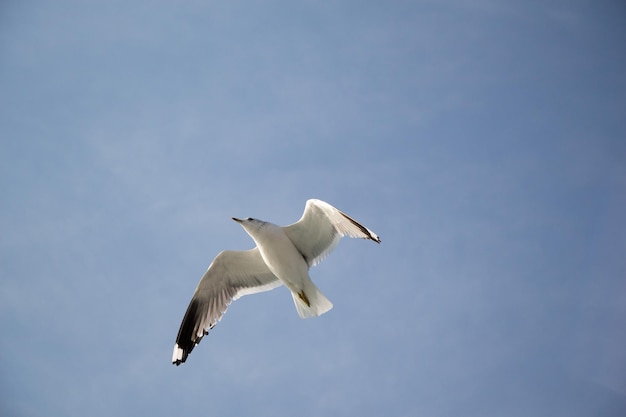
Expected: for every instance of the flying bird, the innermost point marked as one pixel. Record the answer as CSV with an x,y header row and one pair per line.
x,y
282,256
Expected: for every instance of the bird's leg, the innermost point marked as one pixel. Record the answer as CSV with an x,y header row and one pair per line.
x,y
304,298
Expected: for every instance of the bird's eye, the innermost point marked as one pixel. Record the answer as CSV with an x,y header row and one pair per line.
x,y
249,218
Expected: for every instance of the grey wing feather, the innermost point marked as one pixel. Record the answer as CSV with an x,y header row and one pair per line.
x,y
231,275
321,227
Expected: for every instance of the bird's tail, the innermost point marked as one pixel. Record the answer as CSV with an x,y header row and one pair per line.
x,y
310,302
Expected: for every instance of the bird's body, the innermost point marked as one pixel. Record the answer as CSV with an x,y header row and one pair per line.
x,y
285,261
283,256
278,253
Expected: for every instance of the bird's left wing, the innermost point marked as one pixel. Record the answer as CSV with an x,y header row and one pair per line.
x,y
321,227
231,275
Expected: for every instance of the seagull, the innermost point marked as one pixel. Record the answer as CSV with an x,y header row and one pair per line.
x,y
282,256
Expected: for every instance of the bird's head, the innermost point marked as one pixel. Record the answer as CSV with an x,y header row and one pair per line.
x,y
250,225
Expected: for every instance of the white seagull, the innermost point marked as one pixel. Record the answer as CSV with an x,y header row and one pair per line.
x,y
283,255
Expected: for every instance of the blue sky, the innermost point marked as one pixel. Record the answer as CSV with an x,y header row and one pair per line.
x,y
485,143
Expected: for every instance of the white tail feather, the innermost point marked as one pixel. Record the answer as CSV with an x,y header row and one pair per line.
x,y
319,304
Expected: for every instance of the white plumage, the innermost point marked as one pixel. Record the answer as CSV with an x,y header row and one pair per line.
x,y
283,256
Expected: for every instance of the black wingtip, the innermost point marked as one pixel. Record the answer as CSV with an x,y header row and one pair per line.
x,y
180,353
375,238
369,234
187,339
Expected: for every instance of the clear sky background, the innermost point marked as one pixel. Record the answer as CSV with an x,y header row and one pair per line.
x,y
484,141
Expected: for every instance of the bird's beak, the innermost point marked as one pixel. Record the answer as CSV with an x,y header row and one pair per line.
x,y
237,220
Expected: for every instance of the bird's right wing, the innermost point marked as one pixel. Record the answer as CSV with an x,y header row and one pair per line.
x,y
231,275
